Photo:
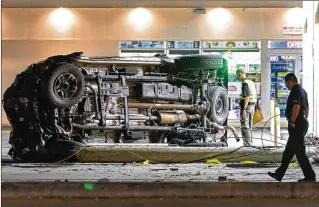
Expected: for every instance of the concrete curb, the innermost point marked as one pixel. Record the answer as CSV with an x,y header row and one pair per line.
x,y
6,159
153,153
160,190
164,154
6,128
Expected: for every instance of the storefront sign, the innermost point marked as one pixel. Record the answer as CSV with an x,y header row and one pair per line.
x,y
275,58
183,44
292,29
231,44
284,44
141,44
232,88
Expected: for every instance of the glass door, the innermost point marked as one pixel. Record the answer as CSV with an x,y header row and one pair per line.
x,y
280,66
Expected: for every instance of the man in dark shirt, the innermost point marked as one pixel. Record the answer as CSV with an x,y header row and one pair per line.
x,y
296,113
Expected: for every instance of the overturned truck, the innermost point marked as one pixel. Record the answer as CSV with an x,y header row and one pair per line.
x,y
58,105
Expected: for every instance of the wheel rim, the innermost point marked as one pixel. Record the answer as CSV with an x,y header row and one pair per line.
x,y
65,86
219,107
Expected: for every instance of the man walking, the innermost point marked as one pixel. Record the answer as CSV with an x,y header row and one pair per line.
x,y
248,99
296,113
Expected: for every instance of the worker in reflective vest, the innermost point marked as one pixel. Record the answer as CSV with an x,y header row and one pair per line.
x,y
248,100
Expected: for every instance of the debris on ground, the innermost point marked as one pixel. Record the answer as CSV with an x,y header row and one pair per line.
x,y
222,178
157,169
173,168
146,162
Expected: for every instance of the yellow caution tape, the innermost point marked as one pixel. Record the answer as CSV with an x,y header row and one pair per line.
x,y
248,162
213,161
294,164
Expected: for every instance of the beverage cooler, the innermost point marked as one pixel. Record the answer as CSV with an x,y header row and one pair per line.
x,y
285,56
280,66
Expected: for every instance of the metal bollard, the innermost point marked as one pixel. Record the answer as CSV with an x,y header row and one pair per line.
x,y
272,120
277,125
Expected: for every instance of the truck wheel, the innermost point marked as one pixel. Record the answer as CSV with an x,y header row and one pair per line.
x,y
62,87
200,61
218,104
190,65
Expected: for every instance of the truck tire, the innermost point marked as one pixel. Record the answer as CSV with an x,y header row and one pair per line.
x,y
192,64
62,87
200,61
219,104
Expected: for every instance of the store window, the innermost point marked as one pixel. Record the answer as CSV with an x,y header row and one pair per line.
x,y
141,48
240,55
180,48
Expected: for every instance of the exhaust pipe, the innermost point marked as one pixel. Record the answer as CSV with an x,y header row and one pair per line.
x,y
217,126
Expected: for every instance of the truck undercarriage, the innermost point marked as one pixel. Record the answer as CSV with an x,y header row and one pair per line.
x,y
57,105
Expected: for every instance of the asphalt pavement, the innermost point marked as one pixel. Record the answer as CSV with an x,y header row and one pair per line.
x,y
139,172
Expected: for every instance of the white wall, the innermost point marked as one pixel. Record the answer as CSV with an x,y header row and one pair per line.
x,y
316,75
113,24
310,65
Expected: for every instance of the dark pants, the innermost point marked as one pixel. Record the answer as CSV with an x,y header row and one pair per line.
x,y
296,146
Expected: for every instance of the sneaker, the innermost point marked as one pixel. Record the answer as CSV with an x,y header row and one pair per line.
x,y
275,176
307,180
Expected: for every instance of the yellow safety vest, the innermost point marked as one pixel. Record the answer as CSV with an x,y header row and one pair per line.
x,y
252,91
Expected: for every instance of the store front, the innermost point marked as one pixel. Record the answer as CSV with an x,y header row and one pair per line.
x,y
283,57
239,54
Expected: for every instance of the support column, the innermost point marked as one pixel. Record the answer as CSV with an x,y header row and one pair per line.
x,y
309,78
316,69
265,81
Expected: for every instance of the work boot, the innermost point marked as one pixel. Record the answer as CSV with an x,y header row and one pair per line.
x,y
307,180
275,176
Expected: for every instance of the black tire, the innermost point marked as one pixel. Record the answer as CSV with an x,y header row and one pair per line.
x,y
219,104
191,64
59,93
200,61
